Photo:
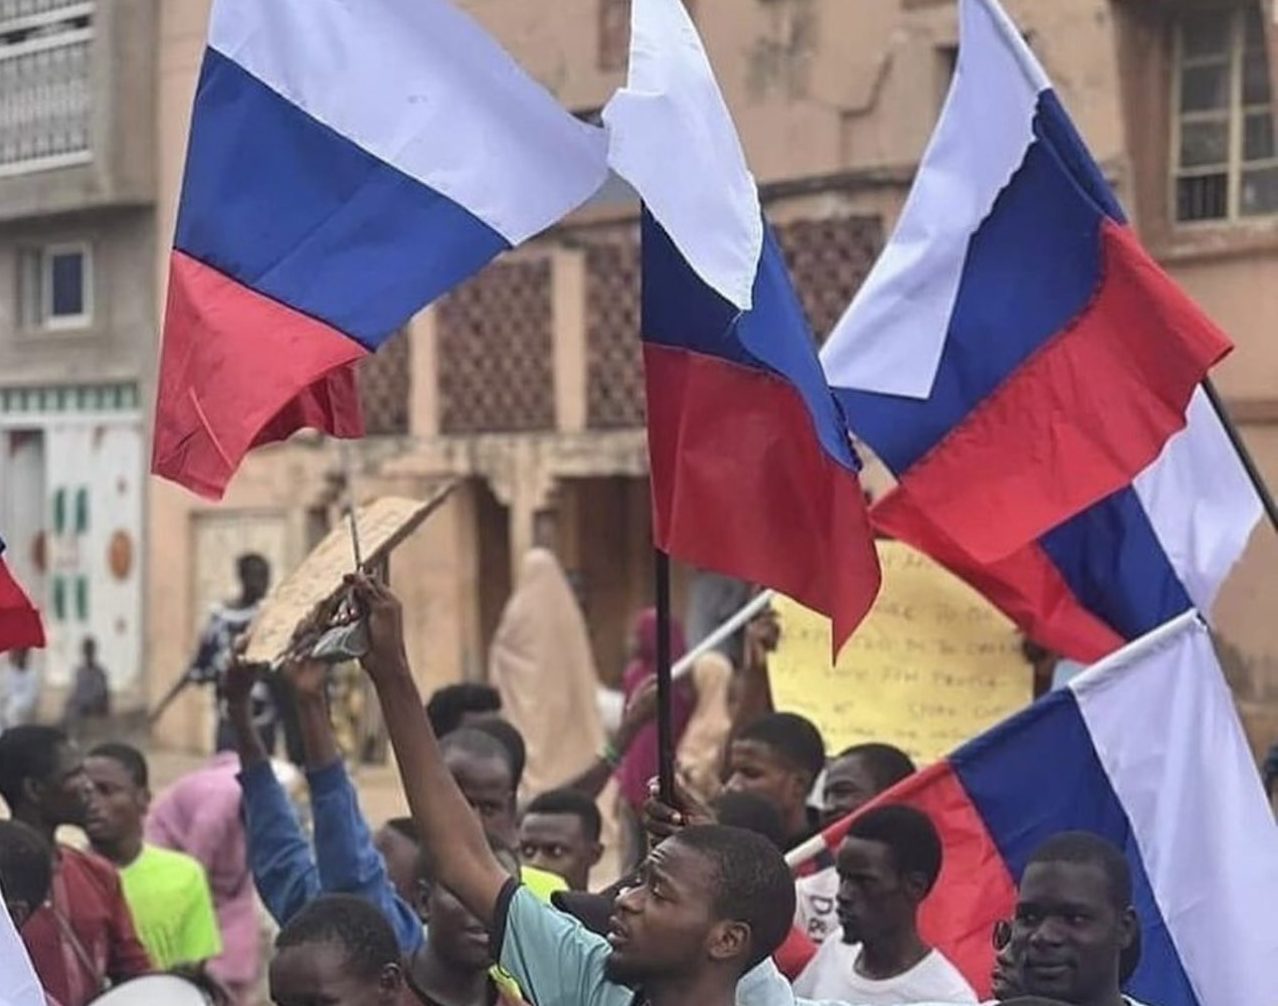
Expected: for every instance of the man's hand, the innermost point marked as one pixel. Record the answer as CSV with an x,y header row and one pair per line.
x,y
639,711
237,687
660,820
762,635
384,617
308,678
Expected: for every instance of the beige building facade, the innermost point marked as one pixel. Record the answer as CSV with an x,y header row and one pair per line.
x,y
524,386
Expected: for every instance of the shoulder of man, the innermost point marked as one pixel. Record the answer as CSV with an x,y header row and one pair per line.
x,y
88,866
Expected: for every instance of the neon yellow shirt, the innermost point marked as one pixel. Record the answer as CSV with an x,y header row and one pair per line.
x,y
168,896
542,883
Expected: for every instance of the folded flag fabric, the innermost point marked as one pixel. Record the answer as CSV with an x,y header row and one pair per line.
x,y
1015,355
1144,749
1124,565
20,624
753,472
348,164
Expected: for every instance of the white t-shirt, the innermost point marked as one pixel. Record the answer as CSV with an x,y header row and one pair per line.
x,y
816,911
832,975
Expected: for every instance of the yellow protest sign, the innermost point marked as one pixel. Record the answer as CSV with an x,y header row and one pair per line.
x,y
932,665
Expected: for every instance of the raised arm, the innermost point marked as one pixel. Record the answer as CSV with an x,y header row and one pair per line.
x,y
450,831
348,861
278,853
754,701
641,708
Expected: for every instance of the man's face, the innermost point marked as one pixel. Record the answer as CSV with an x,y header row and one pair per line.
x,y
874,898
665,926
457,936
118,805
319,974
255,581
755,767
849,785
1067,934
558,843
66,795
487,786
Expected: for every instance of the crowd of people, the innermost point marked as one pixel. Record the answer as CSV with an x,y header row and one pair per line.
x,y
539,864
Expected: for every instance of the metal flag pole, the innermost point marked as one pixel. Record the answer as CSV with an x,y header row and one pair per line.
x,y
733,625
1244,455
348,467
665,682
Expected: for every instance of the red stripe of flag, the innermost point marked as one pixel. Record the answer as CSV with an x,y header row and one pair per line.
x,y
20,625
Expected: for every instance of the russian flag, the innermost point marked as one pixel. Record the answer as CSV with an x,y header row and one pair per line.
x,y
1124,565
20,625
1145,749
753,472
1014,356
348,164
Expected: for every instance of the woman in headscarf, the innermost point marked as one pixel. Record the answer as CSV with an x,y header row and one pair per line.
x,y
542,665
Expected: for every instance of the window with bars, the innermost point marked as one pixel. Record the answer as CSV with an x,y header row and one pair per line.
x,y
46,92
1225,163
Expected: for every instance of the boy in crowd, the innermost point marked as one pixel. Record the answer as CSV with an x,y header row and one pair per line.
x,y
560,833
779,757
83,936
853,779
167,892
887,866
708,905
337,949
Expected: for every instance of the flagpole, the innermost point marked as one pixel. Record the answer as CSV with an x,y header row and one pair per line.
x,y
1244,455
665,682
1140,647
733,625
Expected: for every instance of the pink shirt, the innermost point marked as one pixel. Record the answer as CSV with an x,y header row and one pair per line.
x,y
200,815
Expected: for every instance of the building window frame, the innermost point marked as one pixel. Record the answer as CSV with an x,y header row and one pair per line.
x,y
36,287
1236,114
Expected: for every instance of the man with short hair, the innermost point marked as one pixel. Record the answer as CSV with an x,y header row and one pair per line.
x,y
779,757
560,833
708,904
84,936
167,892
853,779
1074,921
228,621
860,773
338,949
887,865
461,705
454,967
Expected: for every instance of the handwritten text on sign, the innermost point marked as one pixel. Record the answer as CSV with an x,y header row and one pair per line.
x,y
932,665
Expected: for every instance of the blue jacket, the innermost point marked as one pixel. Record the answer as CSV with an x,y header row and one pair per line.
x,y
344,862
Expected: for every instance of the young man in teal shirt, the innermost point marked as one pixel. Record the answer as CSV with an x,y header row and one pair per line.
x,y
709,904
